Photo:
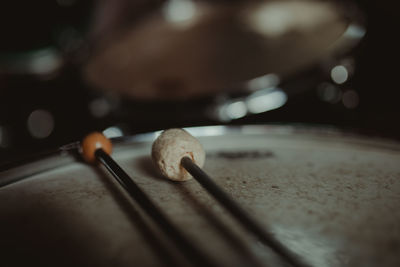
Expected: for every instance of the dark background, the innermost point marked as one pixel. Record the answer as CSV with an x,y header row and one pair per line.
x,y
30,25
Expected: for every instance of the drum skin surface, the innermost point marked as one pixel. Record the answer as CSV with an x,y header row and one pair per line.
x,y
332,199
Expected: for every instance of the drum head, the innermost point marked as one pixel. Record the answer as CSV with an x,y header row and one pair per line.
x,y
331,198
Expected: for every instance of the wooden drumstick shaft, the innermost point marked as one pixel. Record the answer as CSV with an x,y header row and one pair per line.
x,y
191,252
236,211
96,147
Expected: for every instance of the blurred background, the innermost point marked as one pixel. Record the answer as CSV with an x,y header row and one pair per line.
x,y
68,67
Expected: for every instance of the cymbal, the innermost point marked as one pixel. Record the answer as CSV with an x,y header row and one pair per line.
x,y
208,49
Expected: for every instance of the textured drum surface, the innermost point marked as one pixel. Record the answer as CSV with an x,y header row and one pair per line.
x,y
332,199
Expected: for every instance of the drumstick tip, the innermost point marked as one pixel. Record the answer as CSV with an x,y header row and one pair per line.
x,y
170,147
93,142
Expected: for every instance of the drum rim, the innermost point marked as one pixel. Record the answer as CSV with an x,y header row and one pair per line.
x,y
17,171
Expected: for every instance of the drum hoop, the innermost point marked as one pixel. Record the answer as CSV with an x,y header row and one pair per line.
x,y
67,154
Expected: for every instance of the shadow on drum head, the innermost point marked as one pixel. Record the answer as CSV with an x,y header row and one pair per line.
x,y
146,165
40,244
74,220
201,208
36,230
165,256
222,228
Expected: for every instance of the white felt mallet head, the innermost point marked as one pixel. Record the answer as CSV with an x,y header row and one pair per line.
x,y
170,147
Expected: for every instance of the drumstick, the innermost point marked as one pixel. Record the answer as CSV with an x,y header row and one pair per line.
x,y
175,149
243,217
97,148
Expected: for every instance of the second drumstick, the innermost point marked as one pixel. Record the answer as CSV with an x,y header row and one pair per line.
x,y
175,151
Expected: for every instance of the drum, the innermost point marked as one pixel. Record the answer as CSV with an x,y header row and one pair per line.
x,y
331,198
